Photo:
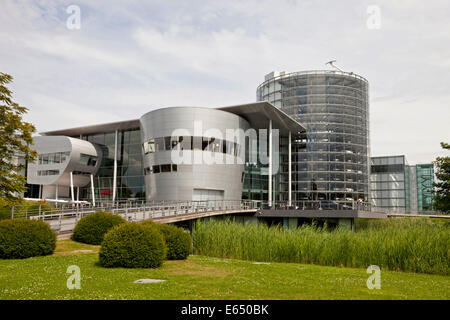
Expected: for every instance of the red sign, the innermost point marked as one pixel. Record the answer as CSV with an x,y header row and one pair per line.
x,y
106,193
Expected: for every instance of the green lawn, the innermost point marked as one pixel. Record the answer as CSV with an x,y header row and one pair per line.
x,y
204,278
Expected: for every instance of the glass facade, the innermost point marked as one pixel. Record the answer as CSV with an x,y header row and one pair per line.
x,y
130,173
330,161
425,179
389,181
256,184
399,187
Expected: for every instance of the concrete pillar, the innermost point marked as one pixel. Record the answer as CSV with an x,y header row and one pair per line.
x,y
92,190
285,223
71,186
293,223
56,192
347,223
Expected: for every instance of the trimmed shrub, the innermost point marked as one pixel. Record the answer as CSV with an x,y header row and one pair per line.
x,y
92,228
177,241
22,238
133,245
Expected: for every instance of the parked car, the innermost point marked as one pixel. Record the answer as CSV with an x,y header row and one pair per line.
x,y
332,205
328,205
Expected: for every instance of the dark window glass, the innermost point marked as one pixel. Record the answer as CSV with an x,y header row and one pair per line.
x,y
388,168
174,168
167,143
165,168
156,169
205,142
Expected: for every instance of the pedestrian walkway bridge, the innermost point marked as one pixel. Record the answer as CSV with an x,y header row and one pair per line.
x,y
63,217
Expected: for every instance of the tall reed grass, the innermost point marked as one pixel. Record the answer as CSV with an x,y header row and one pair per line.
x,y
416,245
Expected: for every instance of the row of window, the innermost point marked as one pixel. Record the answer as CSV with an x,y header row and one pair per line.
x,y
88,160
161,168
81,173
48,172
191,143
387,168
55,157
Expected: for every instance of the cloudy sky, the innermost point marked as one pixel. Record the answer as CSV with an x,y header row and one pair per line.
x,y
130,57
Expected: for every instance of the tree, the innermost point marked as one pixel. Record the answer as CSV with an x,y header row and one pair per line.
x,y
442,192
15,141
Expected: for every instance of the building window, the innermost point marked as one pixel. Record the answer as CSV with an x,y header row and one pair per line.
x,y
149,146
190,143
159,144
88,160
47,172
165,167
81,173
161,169
55,157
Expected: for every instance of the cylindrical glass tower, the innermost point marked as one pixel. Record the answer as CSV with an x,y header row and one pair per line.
x,y
329,162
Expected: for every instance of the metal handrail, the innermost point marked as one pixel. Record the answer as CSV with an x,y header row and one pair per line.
x,y
148,209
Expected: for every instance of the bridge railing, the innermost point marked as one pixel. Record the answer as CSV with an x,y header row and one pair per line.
x,y
145,210
318,205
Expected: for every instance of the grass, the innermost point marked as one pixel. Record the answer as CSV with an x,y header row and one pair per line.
x,y
72,247
413,245
201,277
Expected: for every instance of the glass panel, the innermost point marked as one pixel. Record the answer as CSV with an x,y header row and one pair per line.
x,y
165,167
159,144
167,143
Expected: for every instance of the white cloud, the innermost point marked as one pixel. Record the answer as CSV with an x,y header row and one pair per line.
x,y
128,59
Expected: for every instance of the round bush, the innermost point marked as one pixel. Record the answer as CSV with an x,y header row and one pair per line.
x,y
133,245
177,241
92,228
22,238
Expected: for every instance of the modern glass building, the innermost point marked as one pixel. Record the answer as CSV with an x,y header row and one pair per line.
x,y
421,178
330,160
130,178
134,160
399,187
389,181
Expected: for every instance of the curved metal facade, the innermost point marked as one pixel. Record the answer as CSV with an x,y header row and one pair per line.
x,y
58,157
331,160
166,180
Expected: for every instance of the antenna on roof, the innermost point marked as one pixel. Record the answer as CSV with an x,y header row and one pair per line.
x,y
331,64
